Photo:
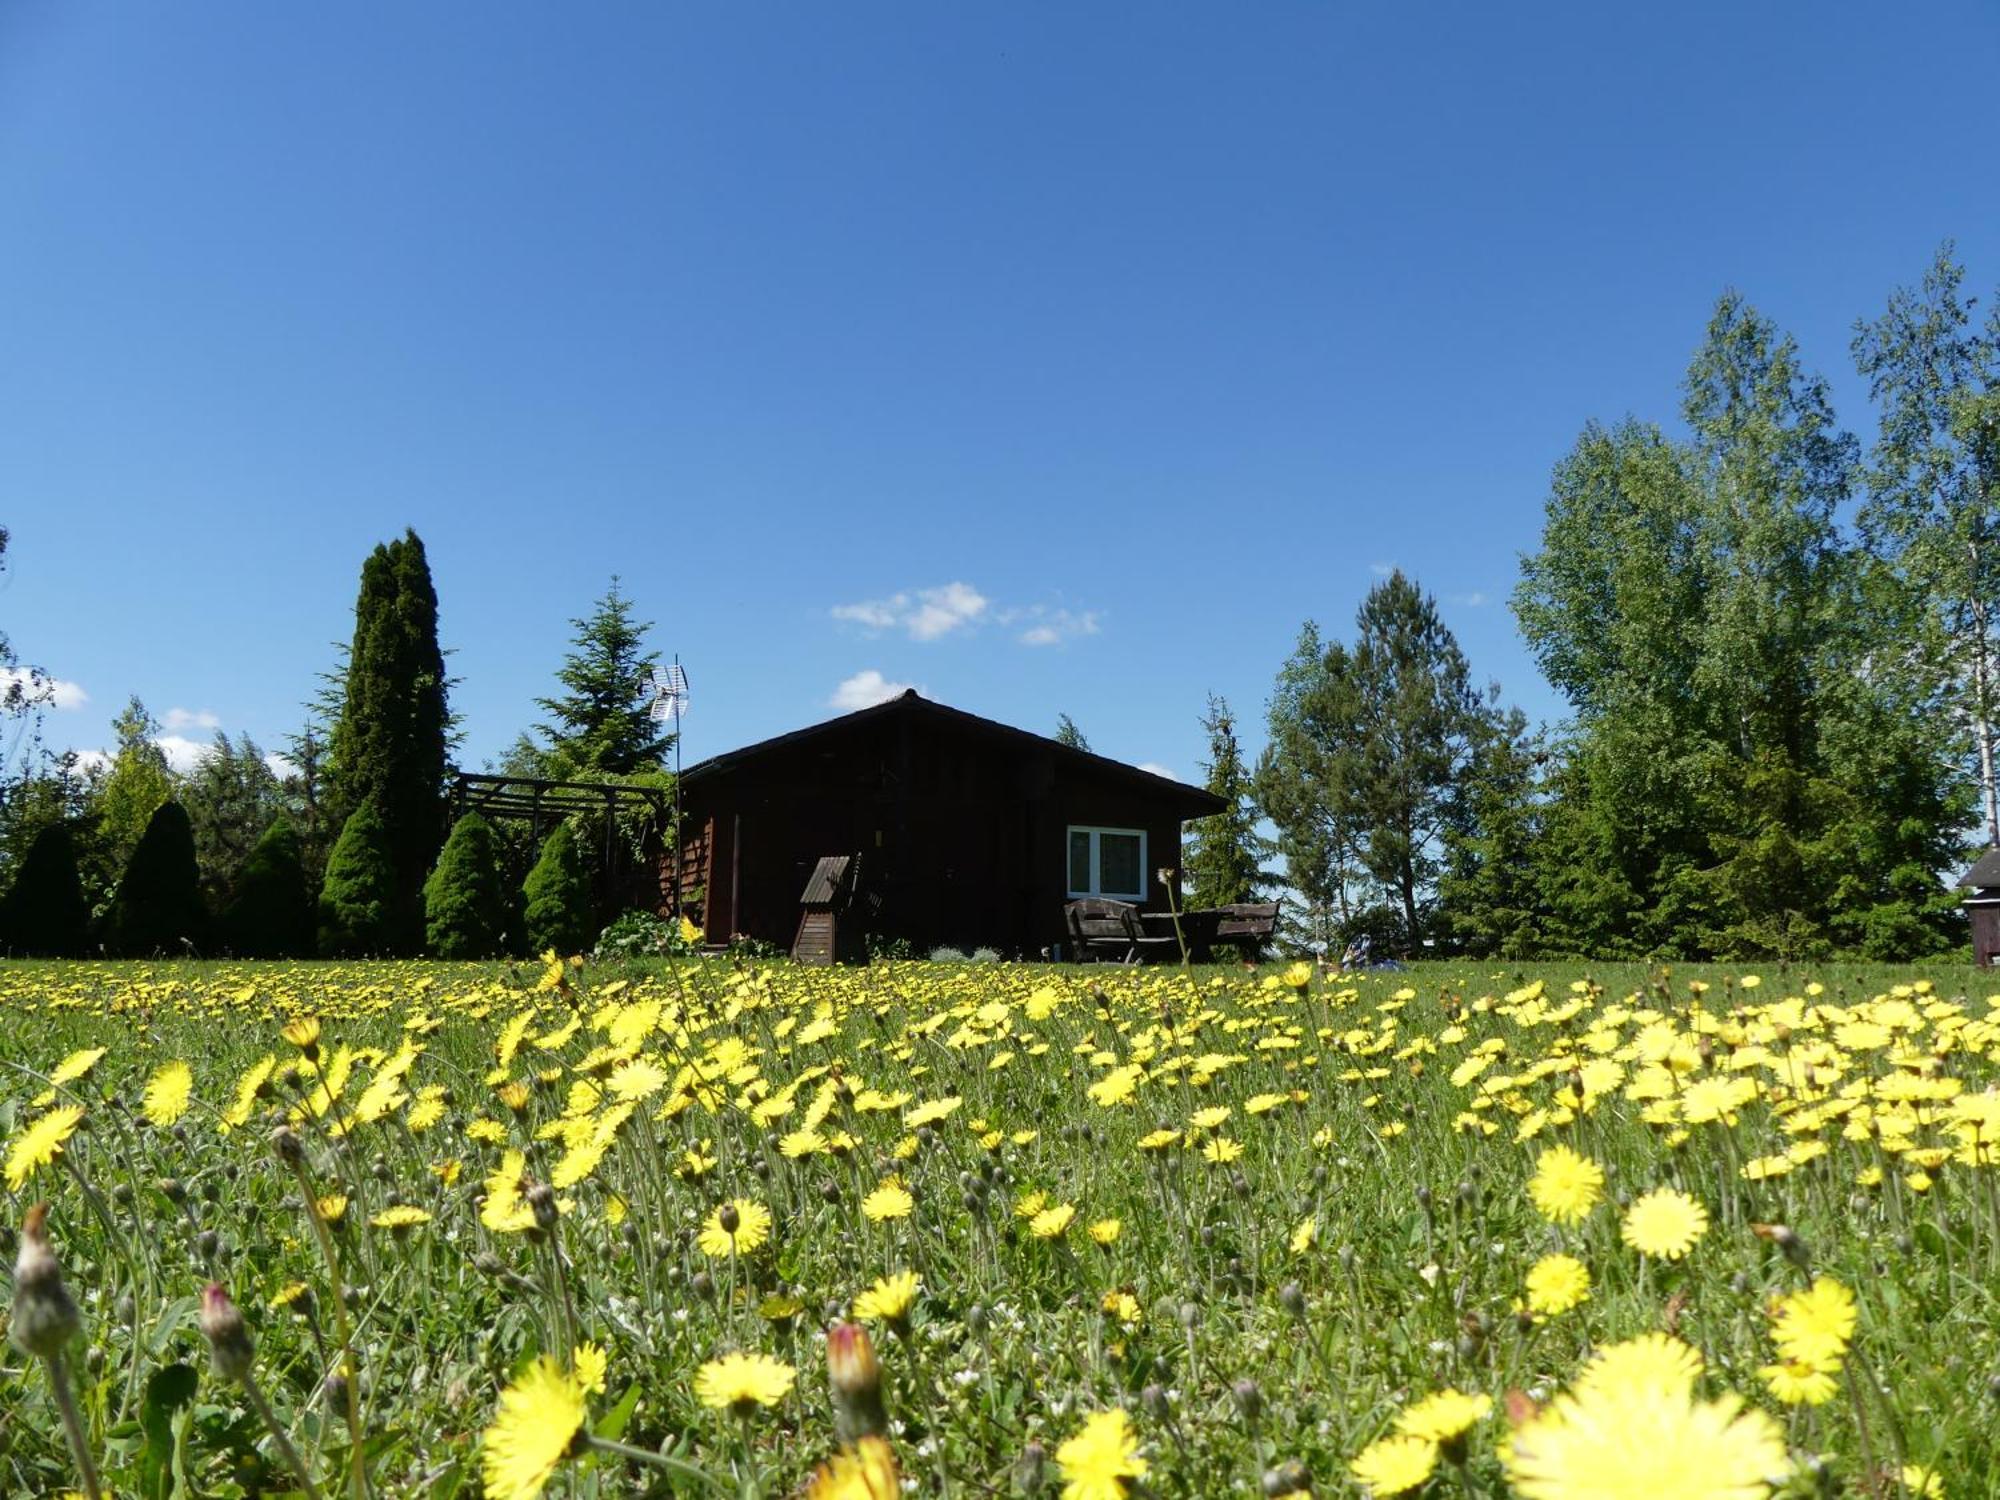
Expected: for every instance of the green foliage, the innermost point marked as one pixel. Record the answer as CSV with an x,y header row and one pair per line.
x,y
601,721
1369,747
1751,770
556,898
270,913
158,907
1068,734
388,746
1932,516
45,914
231,795
1224,862
122,804
358,900
1490,891
466,899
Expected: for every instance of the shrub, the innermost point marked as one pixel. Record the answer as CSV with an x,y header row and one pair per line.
x,y
158,906
357,901
556,903
465,899
45,914
271,913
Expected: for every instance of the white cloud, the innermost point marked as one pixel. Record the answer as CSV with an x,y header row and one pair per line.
x,y
52,691
1157,769
1051,627
1381,570
93,760
181,752
190,718
1472,600
926,614
281,765
865,689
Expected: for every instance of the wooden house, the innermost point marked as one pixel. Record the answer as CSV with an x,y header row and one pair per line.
x,y
1981,884
964,831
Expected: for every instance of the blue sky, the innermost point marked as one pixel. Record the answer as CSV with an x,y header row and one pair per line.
x,y
1050,358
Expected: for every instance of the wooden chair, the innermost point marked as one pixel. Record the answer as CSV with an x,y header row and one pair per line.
x,y
1110,930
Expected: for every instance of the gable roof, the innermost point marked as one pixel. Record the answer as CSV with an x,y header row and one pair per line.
x,y
1196,802
1984,874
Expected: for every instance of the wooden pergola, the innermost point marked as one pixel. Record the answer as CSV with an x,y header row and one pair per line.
x,y
541,804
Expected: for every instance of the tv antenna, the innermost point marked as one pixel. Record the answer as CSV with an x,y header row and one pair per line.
x,y
670,700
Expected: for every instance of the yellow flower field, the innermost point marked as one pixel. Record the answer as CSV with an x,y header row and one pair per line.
x,y
986,1229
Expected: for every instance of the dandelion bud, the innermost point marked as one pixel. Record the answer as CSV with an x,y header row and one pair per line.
x,y
1788,1242
702,1285
285,1141
1249,1400
333,1391
93,1359
45,1317
121,1194
1031,1468
1154,1399
855,1376
1292,1298
207,1243
975,1321
1190,1313
1289,1478
173,1190
728,1218
542,1199
229,1346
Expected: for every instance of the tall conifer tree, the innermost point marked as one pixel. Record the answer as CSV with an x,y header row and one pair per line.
x,y
388,747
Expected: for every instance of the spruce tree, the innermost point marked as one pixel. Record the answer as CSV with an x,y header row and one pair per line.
x,y
45,914
601,724
465,899
556,900
1068,734
1225,864
271,913
158,907
359,914
389,744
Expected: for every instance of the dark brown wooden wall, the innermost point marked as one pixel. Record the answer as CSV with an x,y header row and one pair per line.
x,y
964,839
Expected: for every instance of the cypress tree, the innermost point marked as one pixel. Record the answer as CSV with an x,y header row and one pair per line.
x,y
45,914
556,904
158,907
388,746
465,899
358,901
271,914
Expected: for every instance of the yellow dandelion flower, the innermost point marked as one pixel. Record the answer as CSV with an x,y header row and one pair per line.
x,y
1565,1186
40,1144
1052,1223
1099,1458
743,1382
891,1200
889,1299
1395,1464
739,1225
168,1092
538,1419
1664,1223
1557,1283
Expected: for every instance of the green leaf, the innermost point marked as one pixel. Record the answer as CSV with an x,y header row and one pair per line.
x,y
611,1427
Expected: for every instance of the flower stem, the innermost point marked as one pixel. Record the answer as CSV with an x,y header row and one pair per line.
x,y
79,1443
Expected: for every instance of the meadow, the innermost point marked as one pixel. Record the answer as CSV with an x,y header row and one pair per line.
x,y
992,1229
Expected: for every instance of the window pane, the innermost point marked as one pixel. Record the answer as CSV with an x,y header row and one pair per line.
x,y
1118,861
1079,860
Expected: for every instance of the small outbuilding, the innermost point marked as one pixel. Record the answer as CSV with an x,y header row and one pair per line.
x,y
1982,904
960,830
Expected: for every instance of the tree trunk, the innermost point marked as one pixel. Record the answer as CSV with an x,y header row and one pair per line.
x,y
1982,704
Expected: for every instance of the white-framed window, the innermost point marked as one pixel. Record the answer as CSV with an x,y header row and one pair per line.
x,y
1107,862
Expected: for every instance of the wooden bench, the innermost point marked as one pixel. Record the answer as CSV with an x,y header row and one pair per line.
x,y
1111,930
1252,923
